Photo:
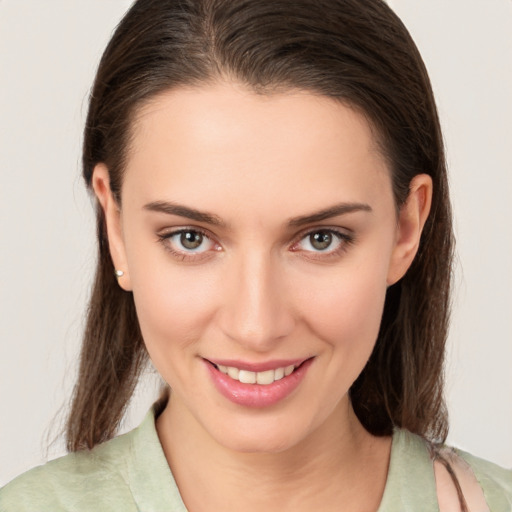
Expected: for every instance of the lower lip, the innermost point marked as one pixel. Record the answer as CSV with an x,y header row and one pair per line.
x,y
257,395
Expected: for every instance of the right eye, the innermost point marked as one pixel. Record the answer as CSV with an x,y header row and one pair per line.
x,y
186,243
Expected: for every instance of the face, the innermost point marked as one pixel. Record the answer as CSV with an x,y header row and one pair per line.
x,y
258,234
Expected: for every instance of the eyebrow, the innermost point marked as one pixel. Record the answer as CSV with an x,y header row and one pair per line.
x,y
170,208
184,211
332,211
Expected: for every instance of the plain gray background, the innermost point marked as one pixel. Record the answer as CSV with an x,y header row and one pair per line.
x,y
48,54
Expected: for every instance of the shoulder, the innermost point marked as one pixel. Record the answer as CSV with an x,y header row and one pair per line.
x,y
484,485
87,480
128,473
495,481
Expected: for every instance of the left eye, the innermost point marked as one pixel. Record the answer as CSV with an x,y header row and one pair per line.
x,y
321,241
189,241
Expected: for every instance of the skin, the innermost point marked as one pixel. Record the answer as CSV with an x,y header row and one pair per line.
x,y
258,290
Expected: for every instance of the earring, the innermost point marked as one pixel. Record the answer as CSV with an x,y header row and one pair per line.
x,y
118,273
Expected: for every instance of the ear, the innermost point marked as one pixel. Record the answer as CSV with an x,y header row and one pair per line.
x,y
411,219
112,212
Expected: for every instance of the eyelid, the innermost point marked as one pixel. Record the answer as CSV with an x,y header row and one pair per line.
x,y
341,232
165,235
345,236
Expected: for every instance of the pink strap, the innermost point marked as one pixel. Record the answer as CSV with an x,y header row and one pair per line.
x,y
447,495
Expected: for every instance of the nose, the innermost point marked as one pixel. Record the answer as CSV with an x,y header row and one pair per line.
x,y
256,311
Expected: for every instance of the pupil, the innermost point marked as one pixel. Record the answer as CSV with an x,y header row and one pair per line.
x,y
191,239
321,240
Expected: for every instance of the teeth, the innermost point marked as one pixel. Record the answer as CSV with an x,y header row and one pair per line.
x,y
264,378
247,377
233,372
278,373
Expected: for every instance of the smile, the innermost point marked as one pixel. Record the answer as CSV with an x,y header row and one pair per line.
x,y
265,378
257,384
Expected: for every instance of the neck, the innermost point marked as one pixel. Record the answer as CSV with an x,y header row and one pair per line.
x,y
339,463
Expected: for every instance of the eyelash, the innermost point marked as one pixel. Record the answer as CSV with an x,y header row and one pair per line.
x,y
164,239
344,241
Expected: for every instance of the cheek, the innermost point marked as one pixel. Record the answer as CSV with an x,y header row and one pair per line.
x,y
173,309
173,303
350,311
345,309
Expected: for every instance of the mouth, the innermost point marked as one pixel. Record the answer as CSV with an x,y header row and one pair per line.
x,y
257,384
264,378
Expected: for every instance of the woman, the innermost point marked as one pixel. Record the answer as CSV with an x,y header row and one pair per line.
x,y
275,233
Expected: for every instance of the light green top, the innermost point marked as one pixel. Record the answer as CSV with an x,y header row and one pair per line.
x,y
130,473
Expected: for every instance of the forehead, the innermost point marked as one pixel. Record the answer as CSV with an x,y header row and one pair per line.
x,y
226,139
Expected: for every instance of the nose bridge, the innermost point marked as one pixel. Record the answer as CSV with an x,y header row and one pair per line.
x,y
256,312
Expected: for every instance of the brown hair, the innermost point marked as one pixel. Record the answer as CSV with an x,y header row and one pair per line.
x,y
356,51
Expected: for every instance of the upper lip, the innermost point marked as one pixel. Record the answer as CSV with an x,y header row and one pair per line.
x,y
258,367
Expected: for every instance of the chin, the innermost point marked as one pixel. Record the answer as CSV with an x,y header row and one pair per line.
x,y
264,443
264,434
